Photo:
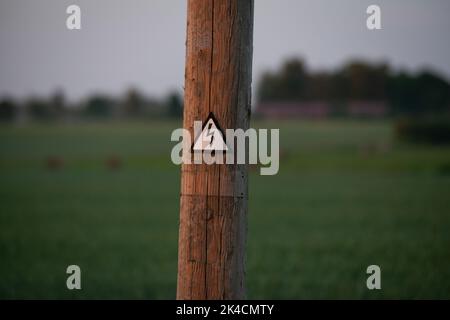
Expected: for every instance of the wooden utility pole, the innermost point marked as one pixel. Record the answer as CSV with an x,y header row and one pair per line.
x,y
213,206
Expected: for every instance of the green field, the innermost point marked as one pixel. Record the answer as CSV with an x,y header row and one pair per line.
x,y
348,195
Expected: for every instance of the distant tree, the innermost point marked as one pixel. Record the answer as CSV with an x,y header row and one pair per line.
x,y
57,103
433,93
402,93
52,108
320,87
99,106
8,110
293,80
290,83
133,104
174,105
361,81
405,93
40,109
268,89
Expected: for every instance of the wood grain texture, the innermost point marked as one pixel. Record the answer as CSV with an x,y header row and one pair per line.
x,y
213,205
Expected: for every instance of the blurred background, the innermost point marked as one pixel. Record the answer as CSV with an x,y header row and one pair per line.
x,y
364,118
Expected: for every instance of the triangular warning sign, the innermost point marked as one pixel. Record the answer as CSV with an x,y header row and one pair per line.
x,y
211,138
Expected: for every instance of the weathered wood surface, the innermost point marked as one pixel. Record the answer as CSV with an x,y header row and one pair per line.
x,y
213,206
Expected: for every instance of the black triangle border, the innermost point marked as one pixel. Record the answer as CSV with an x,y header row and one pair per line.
x,y
216,123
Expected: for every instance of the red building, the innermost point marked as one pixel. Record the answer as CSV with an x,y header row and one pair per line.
x,y
321,109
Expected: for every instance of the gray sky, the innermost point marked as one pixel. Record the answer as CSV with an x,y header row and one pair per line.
x,y
140,43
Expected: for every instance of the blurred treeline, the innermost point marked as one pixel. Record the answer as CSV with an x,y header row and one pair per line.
x,y
56,107
403,92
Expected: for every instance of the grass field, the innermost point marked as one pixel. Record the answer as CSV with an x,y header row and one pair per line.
x,y
347,196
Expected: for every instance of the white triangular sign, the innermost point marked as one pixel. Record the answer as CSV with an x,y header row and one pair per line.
x,y
210,139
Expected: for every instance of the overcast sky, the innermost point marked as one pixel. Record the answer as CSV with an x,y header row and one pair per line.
x,y
141,43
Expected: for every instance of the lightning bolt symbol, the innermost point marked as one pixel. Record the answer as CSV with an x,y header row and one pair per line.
x,y
210,133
